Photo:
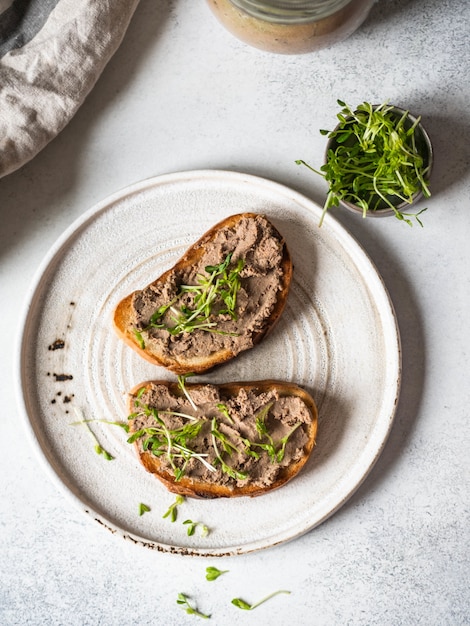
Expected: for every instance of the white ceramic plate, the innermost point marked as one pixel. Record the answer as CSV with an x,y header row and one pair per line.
x,y
338,337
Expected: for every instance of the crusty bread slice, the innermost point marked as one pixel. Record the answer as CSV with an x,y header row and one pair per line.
x,y
265,278
249,419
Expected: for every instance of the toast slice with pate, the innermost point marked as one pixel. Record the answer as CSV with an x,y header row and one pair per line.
x,y
221,298
233,439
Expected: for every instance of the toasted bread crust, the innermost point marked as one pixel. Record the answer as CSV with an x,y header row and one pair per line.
x,y
194,488
182,364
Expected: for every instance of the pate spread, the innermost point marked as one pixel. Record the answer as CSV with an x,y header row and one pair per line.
x,y
254,245
235,417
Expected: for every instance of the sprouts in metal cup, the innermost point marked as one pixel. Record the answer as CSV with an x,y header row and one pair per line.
x,y
380,207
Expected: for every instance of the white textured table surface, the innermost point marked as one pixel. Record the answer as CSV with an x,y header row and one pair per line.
x,y
182,94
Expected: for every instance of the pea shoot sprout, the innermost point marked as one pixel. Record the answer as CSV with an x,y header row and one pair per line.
x,y
172,511
241,604
184,602
143,508
97,445
191,528
212,573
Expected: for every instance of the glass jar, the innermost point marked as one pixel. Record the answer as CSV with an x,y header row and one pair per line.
x,y
291,27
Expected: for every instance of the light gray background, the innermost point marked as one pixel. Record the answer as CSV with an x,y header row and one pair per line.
x,y
182,94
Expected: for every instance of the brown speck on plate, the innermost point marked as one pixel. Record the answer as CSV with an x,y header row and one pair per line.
x,y
58,344
62,377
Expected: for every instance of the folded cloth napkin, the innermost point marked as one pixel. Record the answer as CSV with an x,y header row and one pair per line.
x,y
51,55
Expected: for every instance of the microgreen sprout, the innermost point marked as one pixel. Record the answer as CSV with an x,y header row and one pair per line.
x,y
184,602
241,604
179,414
260,423
97,446
100,450
230,471
193,525
123,425
375,160
182,386
143,508
224,410
172,511
212,573
139,338
275,451
140,392
248,445
215,294
283,442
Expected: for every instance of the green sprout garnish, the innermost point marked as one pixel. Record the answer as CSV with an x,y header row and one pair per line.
x,y
139,338
283,442
214,295
100,450
212,573
260,423
97,446
248,445
172,511
228,447
193,525
224,410
275,451
182,385
241,604
159,439
184,602
140,392
175,443
375,160
143,508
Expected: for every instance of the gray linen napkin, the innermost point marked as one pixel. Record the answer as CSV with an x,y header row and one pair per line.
x,y
51,54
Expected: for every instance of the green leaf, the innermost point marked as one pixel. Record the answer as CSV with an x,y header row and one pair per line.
x,y
143,508
172,512
241,604
219,269
224,410
139,338
191,526
212,573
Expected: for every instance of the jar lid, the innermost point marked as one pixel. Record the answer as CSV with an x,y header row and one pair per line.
x,y
290,10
